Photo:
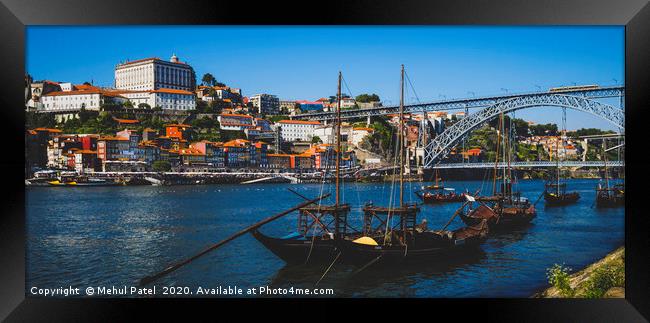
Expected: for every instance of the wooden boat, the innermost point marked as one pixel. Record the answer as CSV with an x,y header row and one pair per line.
x,y
554,191
420,247
503,215
505,210
439,195
610,196
320,227
298,249
556,195
391,235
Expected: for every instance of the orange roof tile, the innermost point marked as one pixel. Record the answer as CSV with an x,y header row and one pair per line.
x,y
126,121
236,115
108,138
172,91
364,128
190,152
85,151
48,130
60,93
86,87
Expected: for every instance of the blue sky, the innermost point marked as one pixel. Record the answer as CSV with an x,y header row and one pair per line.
x,y
297,62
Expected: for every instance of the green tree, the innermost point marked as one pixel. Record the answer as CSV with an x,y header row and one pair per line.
x,y
227,135
549,129
590,132
315,140
276,118
144,106
85,115
366,98
161,166
521,127
208,79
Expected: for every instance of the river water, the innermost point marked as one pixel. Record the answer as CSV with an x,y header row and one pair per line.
x,y
104,236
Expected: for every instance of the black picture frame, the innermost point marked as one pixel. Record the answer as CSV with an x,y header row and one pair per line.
x,y
635,15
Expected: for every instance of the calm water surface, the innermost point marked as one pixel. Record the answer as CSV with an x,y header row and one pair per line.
x,y
102,236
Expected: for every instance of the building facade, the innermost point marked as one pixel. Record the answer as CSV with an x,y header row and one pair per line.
x,y
297,130
75,100
265,104
154,74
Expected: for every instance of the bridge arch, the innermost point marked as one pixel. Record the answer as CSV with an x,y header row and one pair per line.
x,y
440,147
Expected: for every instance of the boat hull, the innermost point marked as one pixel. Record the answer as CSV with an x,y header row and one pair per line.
x,y
439,198
299,251
500,220
610,202
563,199
423,249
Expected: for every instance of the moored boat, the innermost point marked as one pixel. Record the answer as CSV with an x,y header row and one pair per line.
x,y
606,195
505,210
555,191
391,234
320,228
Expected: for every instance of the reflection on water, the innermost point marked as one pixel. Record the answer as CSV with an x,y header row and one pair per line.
x,y
116,235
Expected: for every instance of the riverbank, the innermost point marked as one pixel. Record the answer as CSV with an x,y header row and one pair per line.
x,y
604,278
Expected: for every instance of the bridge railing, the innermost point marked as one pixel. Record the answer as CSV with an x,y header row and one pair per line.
x,y
531,164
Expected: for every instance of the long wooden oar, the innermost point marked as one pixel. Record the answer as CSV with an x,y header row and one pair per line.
x,y
300,195
148,279
453,216
539,198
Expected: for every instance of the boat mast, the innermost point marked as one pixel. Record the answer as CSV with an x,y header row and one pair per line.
x,y
338,139
605,160
503,136
496,162
557,163
401,139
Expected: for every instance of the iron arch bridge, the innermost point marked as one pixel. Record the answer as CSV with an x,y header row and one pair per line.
x,y
458,104
439,147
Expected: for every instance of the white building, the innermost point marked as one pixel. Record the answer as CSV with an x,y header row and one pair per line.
x,y
74,100
347,103
66,86
37,90
221,93
154,74
357,134
327,133
167,99
266,104
297,130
